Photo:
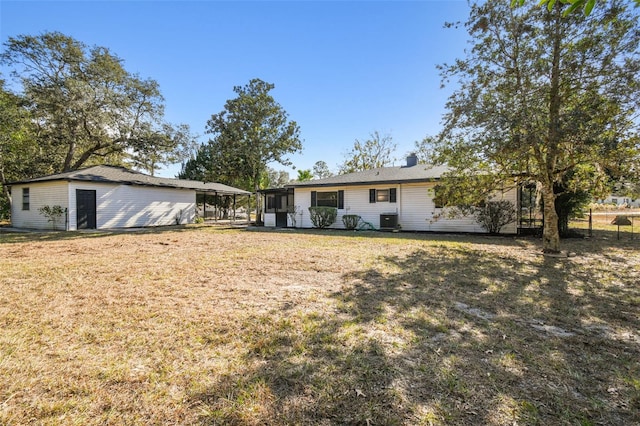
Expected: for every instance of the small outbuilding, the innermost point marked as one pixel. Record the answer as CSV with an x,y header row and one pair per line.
x,y
107,197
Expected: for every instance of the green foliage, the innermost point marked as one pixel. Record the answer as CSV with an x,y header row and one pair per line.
x,y
166,145
586,5
350,221
569,205
373,153
87,107
274,178
304,175
543,98
52,213
252,131
323,217
321,170
20,155
5,207
494,215
424,149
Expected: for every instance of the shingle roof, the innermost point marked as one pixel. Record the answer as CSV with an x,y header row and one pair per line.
x,y
404,174
121,175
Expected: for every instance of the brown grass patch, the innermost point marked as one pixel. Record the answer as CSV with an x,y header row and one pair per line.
x,y
209,326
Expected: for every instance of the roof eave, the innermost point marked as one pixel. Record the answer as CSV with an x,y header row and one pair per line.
x,y
363,183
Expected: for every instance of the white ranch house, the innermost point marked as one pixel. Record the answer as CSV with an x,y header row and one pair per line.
x,y
108,197
387,198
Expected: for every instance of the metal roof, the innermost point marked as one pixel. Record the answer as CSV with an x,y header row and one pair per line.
x,y
403,174
124,176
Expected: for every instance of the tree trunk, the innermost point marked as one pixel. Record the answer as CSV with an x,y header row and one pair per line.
x,y
550,234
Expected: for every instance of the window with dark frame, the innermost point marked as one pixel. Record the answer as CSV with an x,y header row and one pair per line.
x,y
382,195
271,203
25,198
327,199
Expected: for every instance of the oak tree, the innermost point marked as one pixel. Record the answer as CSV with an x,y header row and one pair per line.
x,y
373,153
87,107
543,98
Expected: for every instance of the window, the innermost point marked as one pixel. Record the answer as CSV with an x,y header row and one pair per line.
x,y
277,202
382,195
25,198
271,203
327,199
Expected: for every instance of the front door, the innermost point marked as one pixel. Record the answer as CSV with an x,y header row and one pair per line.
x,y
86,208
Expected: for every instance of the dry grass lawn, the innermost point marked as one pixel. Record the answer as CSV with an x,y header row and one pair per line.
x,y
201,325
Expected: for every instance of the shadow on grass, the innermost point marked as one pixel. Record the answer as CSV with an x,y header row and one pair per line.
x,y
451,335
600,241
9,235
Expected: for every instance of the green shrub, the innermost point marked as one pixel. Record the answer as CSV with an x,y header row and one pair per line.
x,y
5,208
323,217
52,213
350,221
493,215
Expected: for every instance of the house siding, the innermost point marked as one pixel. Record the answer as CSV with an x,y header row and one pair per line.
x,y
40,195
414,206
129,206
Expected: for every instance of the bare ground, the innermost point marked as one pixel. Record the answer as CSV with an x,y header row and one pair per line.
x,y
209,326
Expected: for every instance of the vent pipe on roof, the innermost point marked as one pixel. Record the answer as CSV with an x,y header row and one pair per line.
x,y
412,160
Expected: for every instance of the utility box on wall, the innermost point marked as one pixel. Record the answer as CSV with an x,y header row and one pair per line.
x,y
388,221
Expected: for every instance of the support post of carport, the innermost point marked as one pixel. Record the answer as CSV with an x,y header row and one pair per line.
x,y
204,206
249,209
234,208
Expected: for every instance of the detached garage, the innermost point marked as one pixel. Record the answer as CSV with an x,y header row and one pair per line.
x,y
105,197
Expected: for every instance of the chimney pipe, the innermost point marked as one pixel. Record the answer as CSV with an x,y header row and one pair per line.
x,y
412,160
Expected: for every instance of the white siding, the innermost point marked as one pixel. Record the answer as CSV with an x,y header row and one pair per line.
x,y
270,220
414,206
356,201
40,195
127,206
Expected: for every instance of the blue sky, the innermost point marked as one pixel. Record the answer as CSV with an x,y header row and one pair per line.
x,y
341,69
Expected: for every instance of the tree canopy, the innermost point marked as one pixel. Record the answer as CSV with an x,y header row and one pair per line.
x,y
19,153
304,175
373,153
574,5
87,108
543,98
321,170
251,131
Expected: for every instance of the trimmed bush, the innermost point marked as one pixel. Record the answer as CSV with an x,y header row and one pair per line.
x,y
323,217
350,221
